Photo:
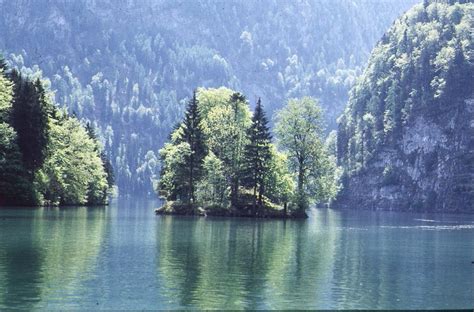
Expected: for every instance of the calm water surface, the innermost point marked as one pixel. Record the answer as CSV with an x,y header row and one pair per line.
x,y
124,257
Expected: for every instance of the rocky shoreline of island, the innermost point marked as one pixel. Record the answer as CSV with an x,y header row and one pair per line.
x,y
239,212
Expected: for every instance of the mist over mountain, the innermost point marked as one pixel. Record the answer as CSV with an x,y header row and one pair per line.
x,y
129,66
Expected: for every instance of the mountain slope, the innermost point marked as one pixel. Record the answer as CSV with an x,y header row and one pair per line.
x,y
128,66
406,139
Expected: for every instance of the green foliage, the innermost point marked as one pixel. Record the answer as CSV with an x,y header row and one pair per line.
x,y
15,185
128,66
5,97
226,118
279,180
173,184
182,158
257,153
29,116
241,159
423,64
192,133
46,157
221,118
299,131
212,189
73,172
109,170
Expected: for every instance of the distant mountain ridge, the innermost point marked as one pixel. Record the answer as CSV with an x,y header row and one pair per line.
x,y
128,66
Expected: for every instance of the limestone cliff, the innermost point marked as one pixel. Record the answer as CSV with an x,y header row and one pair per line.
x,y
406,139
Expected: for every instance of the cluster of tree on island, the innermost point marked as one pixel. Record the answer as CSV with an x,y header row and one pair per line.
x,y
46,156
221,158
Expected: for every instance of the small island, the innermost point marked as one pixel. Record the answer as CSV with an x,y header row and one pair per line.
x,y
221,159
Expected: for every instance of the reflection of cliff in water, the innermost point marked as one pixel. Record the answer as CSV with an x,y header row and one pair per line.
x,y
240,263
50,255
385,261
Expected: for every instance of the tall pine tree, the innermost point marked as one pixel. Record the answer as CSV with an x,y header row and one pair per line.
x,y
30,112
193,135
257,154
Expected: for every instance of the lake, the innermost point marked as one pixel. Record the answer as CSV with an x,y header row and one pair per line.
x,y
124,257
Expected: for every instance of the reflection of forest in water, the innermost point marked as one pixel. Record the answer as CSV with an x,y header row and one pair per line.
x,y
333,260
238,263
47,253
395,260
124,257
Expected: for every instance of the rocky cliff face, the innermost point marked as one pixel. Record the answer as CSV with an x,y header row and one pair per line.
x,y
406,139
430,169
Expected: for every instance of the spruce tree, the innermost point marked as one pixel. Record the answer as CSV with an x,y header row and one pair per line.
x,y
193,135
3,64
458,76
109,169
257,154
30,112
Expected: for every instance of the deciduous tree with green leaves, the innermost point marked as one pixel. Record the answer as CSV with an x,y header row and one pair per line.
x,y
46,156
226,118
279,180
212,189
299,130
173,184
73,172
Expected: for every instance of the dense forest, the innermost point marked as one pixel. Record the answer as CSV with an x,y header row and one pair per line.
x,y
46,156
129,67
406,138
221,159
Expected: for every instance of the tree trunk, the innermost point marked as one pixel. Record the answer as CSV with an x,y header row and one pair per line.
x,y
300,185
235,191
254,200
191,183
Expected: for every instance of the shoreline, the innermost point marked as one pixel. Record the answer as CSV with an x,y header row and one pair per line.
x,y
20,206
230,213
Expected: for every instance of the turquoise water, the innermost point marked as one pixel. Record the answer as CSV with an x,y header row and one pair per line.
x,y
124,257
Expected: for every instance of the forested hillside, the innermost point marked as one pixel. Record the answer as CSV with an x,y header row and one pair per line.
x,y
46,156
129,66
406,140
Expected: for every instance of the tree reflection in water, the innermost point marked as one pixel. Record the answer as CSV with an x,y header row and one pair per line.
x,y
242,263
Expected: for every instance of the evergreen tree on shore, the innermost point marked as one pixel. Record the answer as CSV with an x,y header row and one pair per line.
x,y
257,154
30,120
15,186
46,156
